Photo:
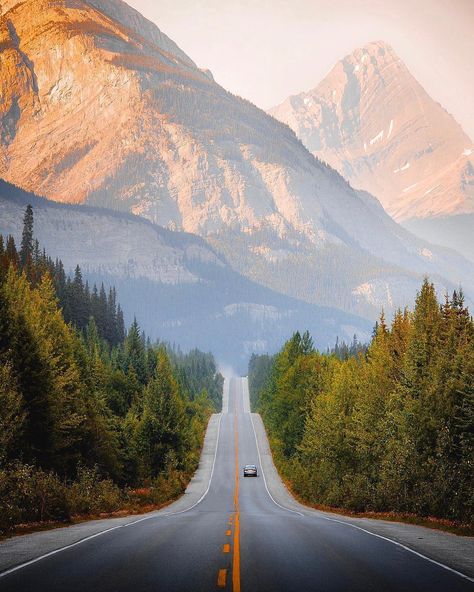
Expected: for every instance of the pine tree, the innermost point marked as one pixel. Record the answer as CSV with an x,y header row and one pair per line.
x,y
26,251
161,433
20,347
120,325
307,344
111,334
12,413
12,253
79,305
135,352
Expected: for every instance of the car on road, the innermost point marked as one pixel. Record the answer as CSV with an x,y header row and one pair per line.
x,y
250,471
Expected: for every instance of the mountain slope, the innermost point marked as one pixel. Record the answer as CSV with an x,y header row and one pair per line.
x,y
372,121
177,286
101,108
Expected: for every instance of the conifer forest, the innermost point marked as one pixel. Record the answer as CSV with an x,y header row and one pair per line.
x,y
385,429
93,417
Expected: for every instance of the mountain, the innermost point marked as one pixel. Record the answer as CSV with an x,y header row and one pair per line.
x,y
179,289
373,122
101,108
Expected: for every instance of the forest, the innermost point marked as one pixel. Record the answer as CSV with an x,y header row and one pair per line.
x,y
93,417
387,428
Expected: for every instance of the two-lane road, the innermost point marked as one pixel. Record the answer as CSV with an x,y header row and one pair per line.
x,y
236,538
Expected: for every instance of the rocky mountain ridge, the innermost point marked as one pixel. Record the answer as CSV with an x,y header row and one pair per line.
x,y
373,122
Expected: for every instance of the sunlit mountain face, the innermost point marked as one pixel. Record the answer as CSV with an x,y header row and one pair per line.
x,y
101,108
372,121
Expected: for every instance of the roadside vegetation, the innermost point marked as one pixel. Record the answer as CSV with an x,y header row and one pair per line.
x,y
93,418
386,429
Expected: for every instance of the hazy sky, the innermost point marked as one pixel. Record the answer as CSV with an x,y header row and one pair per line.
x,y
265,50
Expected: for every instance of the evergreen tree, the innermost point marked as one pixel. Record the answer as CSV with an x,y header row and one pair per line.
x,y
20,347
135,352
307,344
27,245
160,434
78,304
12,414
12,257
120,325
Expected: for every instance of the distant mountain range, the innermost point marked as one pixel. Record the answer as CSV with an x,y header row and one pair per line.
x,y
372,121
101,108
179,288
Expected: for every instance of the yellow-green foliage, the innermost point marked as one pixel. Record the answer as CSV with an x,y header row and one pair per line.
x,y
389,430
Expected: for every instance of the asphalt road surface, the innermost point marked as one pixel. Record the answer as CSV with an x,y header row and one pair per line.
x,y
236,538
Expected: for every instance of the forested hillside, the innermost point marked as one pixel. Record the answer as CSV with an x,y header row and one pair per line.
x,y
92,418
389,429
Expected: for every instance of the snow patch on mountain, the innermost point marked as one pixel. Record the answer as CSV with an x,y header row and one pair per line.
x,y
390,129
376,138
426,253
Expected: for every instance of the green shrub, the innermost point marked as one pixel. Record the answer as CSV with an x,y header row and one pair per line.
x,y
28,494
89,494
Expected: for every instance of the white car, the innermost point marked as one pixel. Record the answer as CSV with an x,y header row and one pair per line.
x,y
250,471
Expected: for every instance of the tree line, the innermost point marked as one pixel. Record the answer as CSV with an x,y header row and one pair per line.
x,y
390,428
90,414
77,300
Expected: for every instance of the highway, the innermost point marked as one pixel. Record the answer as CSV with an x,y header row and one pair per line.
x,y
235,538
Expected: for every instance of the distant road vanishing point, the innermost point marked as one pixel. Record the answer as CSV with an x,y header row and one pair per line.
x,y
226,533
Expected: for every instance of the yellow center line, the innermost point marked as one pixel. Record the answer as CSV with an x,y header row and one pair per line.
x,y
221,578
228,532
236,557
226,548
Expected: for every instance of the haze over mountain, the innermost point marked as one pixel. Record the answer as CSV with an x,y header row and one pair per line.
x,y
178,287
101,108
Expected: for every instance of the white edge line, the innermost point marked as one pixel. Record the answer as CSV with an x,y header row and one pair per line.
x,y
379,536
263,474
93,536
36,559
210,478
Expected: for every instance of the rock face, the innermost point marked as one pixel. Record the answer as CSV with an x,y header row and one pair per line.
x,y
372,121
101,108
109,243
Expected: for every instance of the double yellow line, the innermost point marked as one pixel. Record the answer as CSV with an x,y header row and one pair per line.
x,y
236,545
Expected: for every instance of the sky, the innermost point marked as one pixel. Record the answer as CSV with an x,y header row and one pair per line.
x,y
266,50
